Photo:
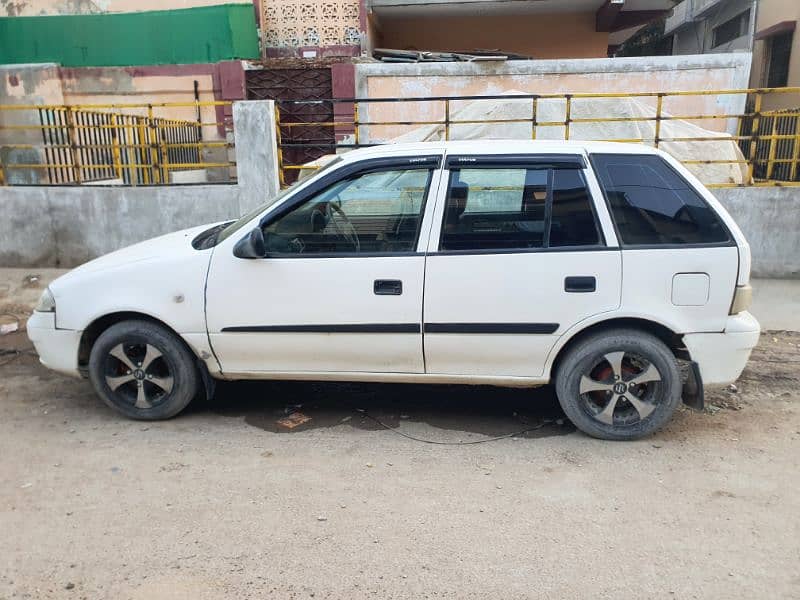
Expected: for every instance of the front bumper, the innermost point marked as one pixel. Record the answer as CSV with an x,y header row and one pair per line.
x,y
57,348
723,356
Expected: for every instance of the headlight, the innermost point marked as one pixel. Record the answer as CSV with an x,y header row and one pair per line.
x,y
46,303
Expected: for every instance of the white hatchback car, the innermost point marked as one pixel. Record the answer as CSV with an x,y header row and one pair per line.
x,y
607,269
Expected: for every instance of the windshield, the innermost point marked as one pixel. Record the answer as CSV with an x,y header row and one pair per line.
x,y
245,219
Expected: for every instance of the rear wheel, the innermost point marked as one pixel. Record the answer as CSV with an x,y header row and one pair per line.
x,y
143,370
619,385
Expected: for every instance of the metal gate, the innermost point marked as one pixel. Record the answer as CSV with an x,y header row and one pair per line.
x,y
299,95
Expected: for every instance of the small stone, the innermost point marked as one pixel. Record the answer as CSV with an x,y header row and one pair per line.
x,y
69,586
370,465
321,518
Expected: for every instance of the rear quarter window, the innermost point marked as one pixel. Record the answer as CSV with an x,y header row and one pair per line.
x,y
651,204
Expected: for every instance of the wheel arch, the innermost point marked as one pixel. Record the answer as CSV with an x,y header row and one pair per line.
x,y
673,340
102,323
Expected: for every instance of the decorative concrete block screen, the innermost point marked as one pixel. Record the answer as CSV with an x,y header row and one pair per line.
x,y
315,23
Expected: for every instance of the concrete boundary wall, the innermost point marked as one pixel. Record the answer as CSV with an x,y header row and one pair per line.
x,y
769,217
64,226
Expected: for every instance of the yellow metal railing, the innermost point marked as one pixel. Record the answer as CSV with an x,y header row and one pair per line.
x,y
129,143
768,140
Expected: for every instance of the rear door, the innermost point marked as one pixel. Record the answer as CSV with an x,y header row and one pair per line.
x,y
680,259
519,258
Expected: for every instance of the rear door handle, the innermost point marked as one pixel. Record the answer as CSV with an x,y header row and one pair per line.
x,y
580,284
388,287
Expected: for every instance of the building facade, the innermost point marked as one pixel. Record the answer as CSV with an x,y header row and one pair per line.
x,y
532,28
776,51
712,26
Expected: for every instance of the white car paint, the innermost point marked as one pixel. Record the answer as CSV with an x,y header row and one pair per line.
x,y
198,293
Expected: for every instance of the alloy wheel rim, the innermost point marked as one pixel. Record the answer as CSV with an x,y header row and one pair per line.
x,y
621,388
138,374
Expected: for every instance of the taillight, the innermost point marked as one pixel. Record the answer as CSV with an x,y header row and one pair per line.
x,y
742,298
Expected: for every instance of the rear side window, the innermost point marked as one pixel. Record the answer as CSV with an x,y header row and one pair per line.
x,y
517,209
573,222
653,205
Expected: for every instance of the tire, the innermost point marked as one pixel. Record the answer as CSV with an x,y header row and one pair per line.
x,y
621,384
143,370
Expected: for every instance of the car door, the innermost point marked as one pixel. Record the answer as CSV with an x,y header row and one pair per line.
x,y
520,257
340,289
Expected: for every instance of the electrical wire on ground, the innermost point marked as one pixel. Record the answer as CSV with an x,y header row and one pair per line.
x,y
438,443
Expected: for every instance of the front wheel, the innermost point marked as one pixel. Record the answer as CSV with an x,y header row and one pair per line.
x,y
143,370
619,385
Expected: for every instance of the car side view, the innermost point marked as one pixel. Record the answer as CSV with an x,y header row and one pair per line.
x,y
605,269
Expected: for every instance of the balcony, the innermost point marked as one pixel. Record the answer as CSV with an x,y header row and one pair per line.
x,y
687,12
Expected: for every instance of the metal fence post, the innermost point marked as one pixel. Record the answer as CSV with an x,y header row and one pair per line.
x,y
155,148
163,156
659,106
115,151
754,137
144,149
772,146
73,145
568,115
447,119
279,147
795,149
356,132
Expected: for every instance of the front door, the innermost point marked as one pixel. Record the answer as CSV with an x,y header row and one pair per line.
x,y
341,287
520,258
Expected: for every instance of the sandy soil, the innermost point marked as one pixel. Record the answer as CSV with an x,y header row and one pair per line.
x,y
224,502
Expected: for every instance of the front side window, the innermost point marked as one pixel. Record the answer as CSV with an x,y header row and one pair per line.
x,y
517,209
653,205
369,213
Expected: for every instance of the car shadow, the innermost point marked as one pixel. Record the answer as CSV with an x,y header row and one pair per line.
x,y
293,406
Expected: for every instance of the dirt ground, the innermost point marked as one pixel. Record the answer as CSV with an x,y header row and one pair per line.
x,y
224,502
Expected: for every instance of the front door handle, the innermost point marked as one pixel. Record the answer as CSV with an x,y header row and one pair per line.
x,y
388,287
580,284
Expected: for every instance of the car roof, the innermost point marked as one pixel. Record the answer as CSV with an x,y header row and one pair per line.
x,y
500,147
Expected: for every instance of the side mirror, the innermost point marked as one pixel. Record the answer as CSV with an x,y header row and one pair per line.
x,y
251,246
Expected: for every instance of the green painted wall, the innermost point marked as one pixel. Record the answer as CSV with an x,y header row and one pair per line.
x,y
204,34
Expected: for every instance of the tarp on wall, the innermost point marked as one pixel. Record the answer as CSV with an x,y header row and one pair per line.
x,y
554,110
